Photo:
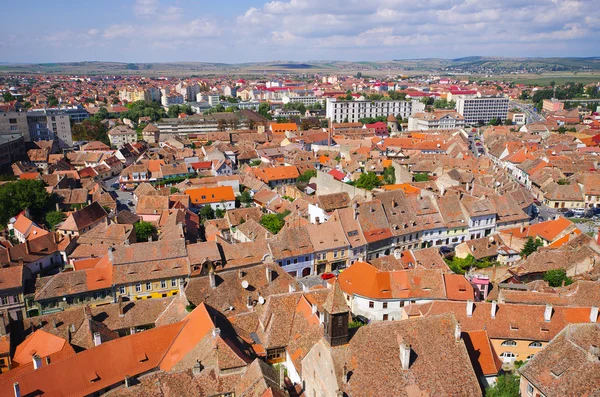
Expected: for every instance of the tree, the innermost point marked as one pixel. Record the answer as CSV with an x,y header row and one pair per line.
x,y
531,246
206,213
219,213
263,109
556,277
272,222
495,121
305,177
8,97
368,181
144,230
101,114
22,194
420,177
174,190
507,385
90,130
507,122
53,218
245,197
389,175
562,129
563,181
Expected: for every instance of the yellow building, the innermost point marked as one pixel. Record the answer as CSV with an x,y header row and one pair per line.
x,y
331,247
149,289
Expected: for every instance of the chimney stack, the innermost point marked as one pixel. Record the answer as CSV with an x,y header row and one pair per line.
x,y
494,308
212,280
594,353
457,332
548,313
121,307
292,288
470,308
269,273
53,323
27,248
594,314
127,381
37,361
17,389
249,302
405,355
216,332
97,339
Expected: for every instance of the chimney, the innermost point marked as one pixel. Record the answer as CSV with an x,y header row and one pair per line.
x,y
121,307
355,214
53,323
17,389
57,207
281,376
27,248
212,280
292,288
345,375
548,313
249,302
127,381
216,332
37,361
269,273
404,354
522,228
594,314
304,287
494,308
469,308
457,332
241,274
313,308
97,339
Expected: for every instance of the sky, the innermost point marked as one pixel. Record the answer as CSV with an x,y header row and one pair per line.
x,y
236,31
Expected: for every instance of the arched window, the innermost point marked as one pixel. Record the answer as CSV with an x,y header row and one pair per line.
x,y
509,343
529,357
536,344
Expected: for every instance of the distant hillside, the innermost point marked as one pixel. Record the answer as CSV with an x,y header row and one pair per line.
x,y
471,64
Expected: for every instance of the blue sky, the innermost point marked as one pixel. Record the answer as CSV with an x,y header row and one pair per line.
x,y
298,30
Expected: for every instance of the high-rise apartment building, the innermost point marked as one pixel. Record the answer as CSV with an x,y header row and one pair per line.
x,y
352,111
480,110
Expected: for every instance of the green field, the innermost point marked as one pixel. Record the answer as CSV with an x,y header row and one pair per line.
x,y
545,79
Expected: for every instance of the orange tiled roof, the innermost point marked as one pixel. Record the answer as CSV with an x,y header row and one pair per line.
x,y
207,195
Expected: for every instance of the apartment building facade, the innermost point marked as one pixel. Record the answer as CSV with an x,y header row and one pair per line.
x,y
352,111
480,110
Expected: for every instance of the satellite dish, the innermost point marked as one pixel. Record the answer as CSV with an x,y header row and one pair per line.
x,y
245,284
261,300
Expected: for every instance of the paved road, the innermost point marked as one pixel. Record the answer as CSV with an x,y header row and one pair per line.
x,y
531,115
122,197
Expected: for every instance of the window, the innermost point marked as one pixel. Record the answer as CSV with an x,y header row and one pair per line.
x,y
508,355
148,286
509,343
385,305
174,283
163,284
12,121
335,254
371,304
5,300
529,389
385,317
122,290
536,345
529,357
138,288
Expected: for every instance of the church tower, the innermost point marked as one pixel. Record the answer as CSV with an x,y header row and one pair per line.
x,y
336,316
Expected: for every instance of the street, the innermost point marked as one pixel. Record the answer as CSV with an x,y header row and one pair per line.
x,y
122,197
531,115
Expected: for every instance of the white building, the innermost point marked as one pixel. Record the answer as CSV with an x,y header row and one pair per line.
x,y
306,100
352,111
168,100
482,109
438,120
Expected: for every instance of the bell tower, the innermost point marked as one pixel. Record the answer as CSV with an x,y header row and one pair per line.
x,y
336,315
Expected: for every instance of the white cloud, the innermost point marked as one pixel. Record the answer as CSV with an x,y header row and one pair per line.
x,y
93,32
145,8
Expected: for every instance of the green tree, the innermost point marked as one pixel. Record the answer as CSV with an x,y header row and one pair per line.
x,y
389,175
563,181
90,130
53,218
206,213
272,222
219,213
8,97
22,194
556,277
101,114
562,129
507,385
144,230
420,177
305,177
368,181
531,246
174,190
245,197
494,121
507,122
263,110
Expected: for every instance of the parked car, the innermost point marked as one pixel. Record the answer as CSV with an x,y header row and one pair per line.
x,y
327,276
